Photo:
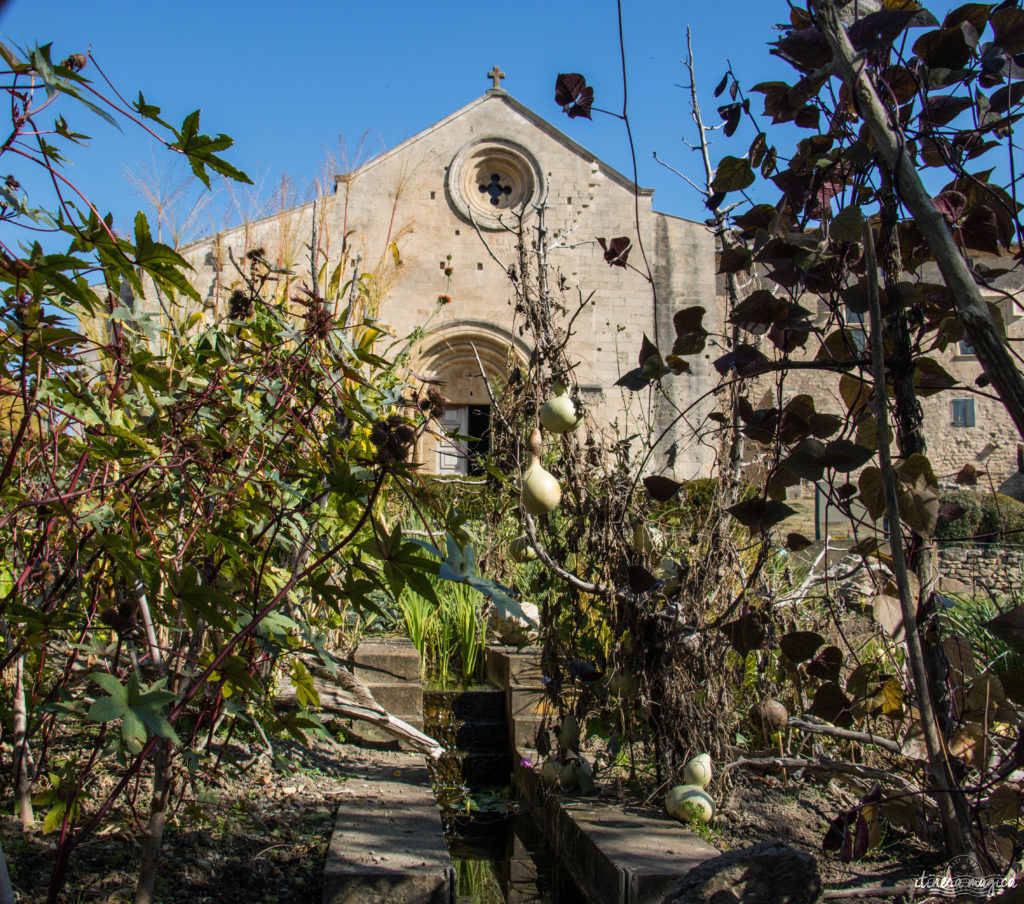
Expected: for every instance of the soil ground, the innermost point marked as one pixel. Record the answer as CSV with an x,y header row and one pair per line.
x,y
259,835
798,812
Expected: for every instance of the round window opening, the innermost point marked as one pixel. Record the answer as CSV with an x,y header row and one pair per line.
x,y
491,177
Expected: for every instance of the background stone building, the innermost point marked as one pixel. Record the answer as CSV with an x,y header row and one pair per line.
x,y
446,199
963,425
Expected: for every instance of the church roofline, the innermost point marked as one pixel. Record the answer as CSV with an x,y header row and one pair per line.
x,y
523,110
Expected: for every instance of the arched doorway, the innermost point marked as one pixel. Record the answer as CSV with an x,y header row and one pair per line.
x,y
454,358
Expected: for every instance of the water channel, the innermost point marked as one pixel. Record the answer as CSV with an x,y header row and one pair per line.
x,y
498,854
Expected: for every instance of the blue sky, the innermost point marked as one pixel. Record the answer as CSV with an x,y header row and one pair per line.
x,y
286,80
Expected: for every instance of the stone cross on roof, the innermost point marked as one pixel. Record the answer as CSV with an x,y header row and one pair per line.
x,y
497,75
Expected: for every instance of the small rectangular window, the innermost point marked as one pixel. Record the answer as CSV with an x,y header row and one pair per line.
x,y
855,324
964,347
963,412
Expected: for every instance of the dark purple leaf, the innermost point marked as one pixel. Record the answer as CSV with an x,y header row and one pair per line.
x,y
759,514
714,200
759,310
950,511
967,476
827,665
843,455
931,377
980,230
734,259
746,360
825,425
757,150
661,488
861,840
806,460
799,646
647,348
746,633
640,579
1006,97
885,26
722,84
832,705
805,48
616,250
947,48
837,835
975,13
941,109
1008,27
1009,627
652,367
951,204
690,333
796,542
573,94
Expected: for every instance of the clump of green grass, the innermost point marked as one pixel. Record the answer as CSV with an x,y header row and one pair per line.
x,y
450,636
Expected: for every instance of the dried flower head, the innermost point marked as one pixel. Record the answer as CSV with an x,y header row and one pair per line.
x,y
76,62
393,438
240,305
437,403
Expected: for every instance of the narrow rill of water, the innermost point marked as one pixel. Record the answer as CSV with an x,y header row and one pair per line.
x,y
498,855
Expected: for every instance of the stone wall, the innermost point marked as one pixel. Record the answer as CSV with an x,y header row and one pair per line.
x,y
995,569
427,197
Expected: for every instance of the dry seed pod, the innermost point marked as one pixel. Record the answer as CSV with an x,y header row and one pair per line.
x,y
768,717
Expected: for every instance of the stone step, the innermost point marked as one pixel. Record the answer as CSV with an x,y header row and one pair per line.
x,y
475,704
523,734
509,665
530,703
486,736
381,661
388,844
403,700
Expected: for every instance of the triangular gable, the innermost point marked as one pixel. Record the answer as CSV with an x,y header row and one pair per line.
x,y
526,113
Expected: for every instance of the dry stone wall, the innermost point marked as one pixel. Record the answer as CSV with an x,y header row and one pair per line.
x,y
998,570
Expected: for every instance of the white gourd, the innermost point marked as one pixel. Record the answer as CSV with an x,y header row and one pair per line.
x,y
558,414
521,550
647,539
541,492
698,771
688,803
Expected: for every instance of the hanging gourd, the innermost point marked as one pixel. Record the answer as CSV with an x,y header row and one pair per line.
x,y
541,492
646,539
558,414
522,550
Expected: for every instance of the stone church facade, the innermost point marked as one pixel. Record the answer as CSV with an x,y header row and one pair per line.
x,y
444,200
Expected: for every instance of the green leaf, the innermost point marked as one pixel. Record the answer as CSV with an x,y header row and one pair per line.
x,y
111,685
201,151
106,709
133,731
54,817
733,174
